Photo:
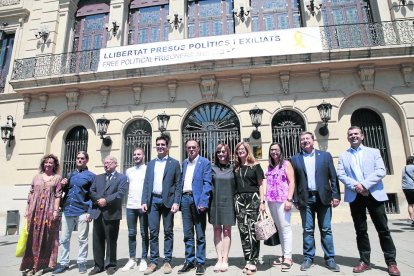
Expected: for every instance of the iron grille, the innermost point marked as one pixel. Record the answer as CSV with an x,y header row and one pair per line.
x,y
210,124
371,124
137,134
76,140
286,128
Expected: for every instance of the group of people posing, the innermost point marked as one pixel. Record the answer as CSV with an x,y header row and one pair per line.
x,y
227,190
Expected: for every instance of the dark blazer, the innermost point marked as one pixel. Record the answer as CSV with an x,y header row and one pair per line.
x,y
171,188
113,195
201,181
325,176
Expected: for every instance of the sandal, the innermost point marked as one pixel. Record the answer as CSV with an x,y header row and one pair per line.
x,y
217,267
286,265
224,267
278,261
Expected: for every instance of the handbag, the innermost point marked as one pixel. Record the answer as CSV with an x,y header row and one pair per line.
x,y
264,227
21,243
273,240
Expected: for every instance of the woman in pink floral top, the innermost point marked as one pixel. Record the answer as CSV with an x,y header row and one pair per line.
x,y
279,196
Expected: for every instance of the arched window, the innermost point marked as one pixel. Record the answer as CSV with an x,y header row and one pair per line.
x,y
148,21
76,140
210,18
90,20
137,134
270,15
210,124
371,124
286,128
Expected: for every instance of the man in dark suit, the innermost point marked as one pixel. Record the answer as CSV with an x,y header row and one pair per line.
x,y
161,197
196,183
316,192
106,194
362,169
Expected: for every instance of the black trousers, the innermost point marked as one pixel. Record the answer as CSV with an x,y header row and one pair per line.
x,y
105,232
378,216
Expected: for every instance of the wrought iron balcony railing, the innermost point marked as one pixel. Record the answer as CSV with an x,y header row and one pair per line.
x,y
8,2
334,37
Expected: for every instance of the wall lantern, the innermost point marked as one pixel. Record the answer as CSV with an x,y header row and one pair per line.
x,y
256,117
114,28
241,14
163,122
42,35
175,22
312,7
325,113
7,130
102,125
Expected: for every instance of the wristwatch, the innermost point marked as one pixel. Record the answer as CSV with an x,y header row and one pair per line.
x,y
290,199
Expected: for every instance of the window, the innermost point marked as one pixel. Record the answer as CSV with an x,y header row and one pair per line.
x,y
90,21
371,124
6,49
210,124
286,128
137,134
210,18
148,21
76,140
275,15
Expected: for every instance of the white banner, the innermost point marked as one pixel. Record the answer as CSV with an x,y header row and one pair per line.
x,y
271,43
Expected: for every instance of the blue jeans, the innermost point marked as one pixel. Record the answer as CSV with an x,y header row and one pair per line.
x,y
324,215
158,209
193,220
132,216
68,224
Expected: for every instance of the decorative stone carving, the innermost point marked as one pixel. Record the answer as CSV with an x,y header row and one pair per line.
x,y
72,97
284,80
367,75
245,81
209,87
137,88
172,89
104,93
406,71
324,75
43,101
26,99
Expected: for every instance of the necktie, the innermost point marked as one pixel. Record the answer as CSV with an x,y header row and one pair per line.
x,y
108,180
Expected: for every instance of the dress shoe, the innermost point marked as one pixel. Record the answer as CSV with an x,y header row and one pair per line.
x,y
393,270
60,269
361,267
111,270
167,268
200,270
332,266
95,271
186,267
306,265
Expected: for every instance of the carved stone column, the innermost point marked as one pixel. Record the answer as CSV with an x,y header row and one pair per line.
x,y
208,87
245,81
26,99
284,80
43,101
104,93
367,76
137,88
324,75
406,72
172,89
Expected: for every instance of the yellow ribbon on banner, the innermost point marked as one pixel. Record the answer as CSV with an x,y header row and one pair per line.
x,y
299,40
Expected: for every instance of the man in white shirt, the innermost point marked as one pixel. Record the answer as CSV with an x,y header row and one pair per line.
x,y
136,176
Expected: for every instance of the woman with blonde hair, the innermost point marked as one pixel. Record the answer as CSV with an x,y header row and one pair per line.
x,y
42,214
249,202
221,213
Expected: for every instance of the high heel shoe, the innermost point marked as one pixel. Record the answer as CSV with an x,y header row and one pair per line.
x,y
224,267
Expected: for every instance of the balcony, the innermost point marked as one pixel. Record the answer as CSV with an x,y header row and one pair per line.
x,y
9,2
340,42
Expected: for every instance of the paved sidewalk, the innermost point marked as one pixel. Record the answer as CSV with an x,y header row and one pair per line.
x,y
345,247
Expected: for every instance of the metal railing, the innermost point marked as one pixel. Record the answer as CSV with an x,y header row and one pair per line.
x,y
347,36
8,2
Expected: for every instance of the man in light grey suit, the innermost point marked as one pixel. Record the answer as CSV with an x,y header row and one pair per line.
x,y
361,170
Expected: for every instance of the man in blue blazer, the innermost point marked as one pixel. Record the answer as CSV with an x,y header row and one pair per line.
x,y
161,197
106,194
316,192
361,170
196,188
